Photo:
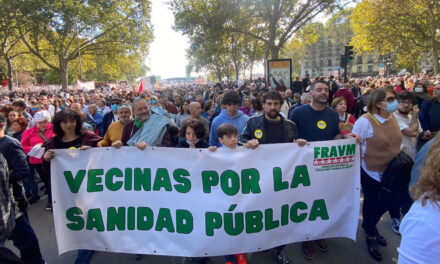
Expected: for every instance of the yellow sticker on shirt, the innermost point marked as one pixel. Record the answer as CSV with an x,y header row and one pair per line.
x,y
258,133
321,124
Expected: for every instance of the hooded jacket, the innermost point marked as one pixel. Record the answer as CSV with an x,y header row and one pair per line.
x,y
239,121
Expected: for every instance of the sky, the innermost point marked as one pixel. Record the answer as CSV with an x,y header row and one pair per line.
x,y
167,52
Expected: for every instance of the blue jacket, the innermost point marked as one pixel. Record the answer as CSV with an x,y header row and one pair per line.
x,y
239,121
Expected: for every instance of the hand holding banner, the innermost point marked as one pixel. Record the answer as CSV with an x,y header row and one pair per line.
x,y
162,200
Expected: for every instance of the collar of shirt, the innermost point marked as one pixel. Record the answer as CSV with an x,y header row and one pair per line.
x,y
381,119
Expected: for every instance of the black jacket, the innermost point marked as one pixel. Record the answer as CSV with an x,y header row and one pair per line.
x,y
200,144
256,129
107,121
11,149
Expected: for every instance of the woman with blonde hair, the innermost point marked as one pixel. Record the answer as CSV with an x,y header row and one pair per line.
x,y
420,227
346,120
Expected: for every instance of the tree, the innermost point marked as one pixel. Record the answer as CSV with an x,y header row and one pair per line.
x,y
11,46
303,46
405,29
338,27
69,29
272,22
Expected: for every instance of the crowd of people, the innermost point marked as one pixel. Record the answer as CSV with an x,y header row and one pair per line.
x,y
395,120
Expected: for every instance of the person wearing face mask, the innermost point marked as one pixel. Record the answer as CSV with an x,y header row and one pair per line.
x,y
208,109
381,140
111,116
193,131
421,94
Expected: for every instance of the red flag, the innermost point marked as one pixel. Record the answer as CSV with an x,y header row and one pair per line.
x,y
141,87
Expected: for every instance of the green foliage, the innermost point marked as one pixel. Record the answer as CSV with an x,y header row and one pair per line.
x,y
405,29
58,32
264,25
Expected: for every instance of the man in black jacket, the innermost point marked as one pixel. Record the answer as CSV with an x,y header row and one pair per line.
x,y
23,236
268,128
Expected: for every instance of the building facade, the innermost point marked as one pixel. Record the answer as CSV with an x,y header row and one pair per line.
x,y
324,59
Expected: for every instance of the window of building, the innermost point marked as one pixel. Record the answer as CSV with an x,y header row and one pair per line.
x,y
370,59
321,63
359,69
359,59
370,68
329,63
306,64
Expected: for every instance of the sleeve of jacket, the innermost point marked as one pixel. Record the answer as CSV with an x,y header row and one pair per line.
x,y
213,139
17,162
423,115
25,140
246,135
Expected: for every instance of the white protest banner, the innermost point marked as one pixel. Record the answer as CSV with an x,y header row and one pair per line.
x,y
85,86
192,202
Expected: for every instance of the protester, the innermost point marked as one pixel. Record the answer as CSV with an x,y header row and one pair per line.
x,y
345,92
67,126
20,106
316,122
102,107
23,235
18,126
32,140
246,108
285,108
147,128
257,107
346,120
420,233
114,132
421,93
167,105
429,114
97,117
111,116
195,111
183,113
208,109
407,118
88,122
270,128
381,140
229,115
193,131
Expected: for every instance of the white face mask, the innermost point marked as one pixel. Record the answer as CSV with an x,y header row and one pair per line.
x,y
418,89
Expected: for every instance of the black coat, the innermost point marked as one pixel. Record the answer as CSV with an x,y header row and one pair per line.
x,y
200,144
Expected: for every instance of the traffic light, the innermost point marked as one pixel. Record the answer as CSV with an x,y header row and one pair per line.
x,y
348,53
343,61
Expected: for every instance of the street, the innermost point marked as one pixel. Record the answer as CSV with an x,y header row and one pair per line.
x,y
341,250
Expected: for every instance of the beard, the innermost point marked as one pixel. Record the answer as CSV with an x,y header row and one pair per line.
x,y
143,118
403,112
272,114
321,99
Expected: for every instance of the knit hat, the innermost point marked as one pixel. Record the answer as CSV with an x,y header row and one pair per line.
x,y
41,116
